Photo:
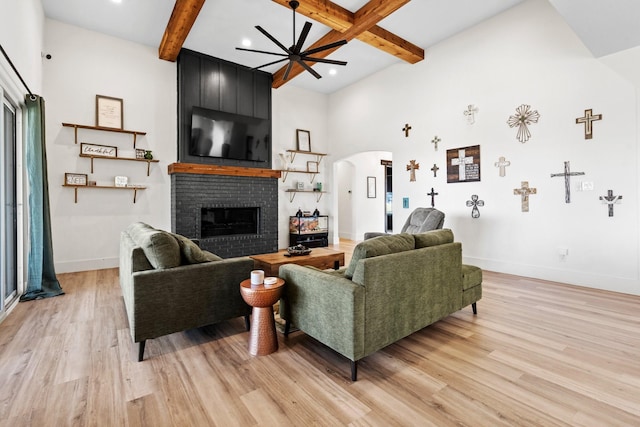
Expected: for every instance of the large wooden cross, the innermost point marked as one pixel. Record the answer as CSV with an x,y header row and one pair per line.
x,y
588,120
461,161
433,194
524,191
567,180
411,167
610,200
502,163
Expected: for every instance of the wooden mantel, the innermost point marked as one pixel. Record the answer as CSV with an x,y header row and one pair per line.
x,y
200,169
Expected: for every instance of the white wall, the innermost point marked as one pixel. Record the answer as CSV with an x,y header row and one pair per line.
x,y
84,64
527,55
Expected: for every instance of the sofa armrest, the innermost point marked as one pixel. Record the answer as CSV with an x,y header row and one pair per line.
x,y
325,306
189,296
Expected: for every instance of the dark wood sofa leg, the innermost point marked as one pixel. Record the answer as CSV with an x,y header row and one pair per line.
x,y
247,322
287,327
475,309
141,350
354,370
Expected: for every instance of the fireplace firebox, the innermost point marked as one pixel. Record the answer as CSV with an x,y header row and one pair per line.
x,y
228,221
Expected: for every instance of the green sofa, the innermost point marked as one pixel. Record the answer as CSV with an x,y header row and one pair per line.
x,y
170,285
394,285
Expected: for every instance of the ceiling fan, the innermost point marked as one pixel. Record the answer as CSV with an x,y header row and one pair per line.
x,y
294,54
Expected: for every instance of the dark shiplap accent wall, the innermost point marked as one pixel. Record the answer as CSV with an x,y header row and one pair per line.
x,y
208,82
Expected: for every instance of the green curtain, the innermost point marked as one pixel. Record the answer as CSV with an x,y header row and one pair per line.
x,y
41,277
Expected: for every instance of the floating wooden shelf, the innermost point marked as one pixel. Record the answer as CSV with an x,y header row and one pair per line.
x,y
75,127
292,155
91,156
109,187
203,169
286,172
292,194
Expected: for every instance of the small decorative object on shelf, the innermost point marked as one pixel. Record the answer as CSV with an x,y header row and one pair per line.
x,y
75,179
318,186
91,183
312,167
108,112
303,140
98,150
316,213
474,202
299,213
148,155
140,153
121,181
300,186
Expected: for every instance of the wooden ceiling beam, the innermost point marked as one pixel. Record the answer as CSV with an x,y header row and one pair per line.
x,y
182,19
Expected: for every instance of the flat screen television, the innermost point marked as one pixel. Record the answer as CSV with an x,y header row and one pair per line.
x,y
229,136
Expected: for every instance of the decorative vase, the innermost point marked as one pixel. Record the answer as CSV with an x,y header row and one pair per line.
x,y
148,155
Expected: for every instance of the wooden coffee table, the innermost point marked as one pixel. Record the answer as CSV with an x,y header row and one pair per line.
x,y
322,258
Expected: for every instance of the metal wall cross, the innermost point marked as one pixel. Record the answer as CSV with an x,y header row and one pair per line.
x,y
502,163
435,141
588,120
433,195
567,181
475,212
411,167
435,169
461,161
610,200
406,130
524,191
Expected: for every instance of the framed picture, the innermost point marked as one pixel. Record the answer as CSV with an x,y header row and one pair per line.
x,y
312,167
75,179
98,150
139,153
463,164
121,181
303,140
108,112
371,187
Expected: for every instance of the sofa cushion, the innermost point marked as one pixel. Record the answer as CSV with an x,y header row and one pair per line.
x,y
191,252
471,276
382,245
160,247
433,238
424,219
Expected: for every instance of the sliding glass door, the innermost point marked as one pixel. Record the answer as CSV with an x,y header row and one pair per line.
x,y
8,207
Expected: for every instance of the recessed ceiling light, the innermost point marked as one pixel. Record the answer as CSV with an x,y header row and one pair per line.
x,y
333,72
246,42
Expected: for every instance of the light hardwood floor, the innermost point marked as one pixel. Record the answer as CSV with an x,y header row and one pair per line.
x,y
537,354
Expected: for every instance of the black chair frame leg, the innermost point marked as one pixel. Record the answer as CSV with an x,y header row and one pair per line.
x,y
141,350
354,370
474,308
287,327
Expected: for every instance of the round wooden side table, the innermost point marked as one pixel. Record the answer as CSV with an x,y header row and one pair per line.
x,y
262,338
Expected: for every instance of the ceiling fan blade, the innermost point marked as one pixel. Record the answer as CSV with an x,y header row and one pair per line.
x,y
324,61
270,63
309,69
270,37
263,51
303,37
325,47
287,71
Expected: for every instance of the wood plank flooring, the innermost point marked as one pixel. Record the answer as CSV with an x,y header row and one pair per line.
x,y
537,354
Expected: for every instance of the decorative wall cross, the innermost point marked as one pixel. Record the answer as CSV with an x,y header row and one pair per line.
x,y
412,166
470,112
435,169
502,163
435,141
433,195
406,130
588,120
567,181
524,191
610,200
461,161
475,212
523,118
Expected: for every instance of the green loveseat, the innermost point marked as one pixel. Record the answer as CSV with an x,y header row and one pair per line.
x,y
394,286
170,285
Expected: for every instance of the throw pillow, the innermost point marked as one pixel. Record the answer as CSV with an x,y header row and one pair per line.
x,y
192,252
160,247
382,245
433,238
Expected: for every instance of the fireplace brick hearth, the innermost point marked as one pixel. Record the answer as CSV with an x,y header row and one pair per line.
x,y
193,190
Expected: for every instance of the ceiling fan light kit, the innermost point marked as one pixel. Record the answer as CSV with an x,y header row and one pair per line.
x,y
295,54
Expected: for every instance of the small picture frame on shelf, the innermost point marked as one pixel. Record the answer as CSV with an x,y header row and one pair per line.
x,y
303,140
98,150
75,179
140,153
300,185
121,181
108,112
312,167
371,187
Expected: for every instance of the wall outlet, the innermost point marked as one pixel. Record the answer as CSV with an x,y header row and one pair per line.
x,y
587,186
563,253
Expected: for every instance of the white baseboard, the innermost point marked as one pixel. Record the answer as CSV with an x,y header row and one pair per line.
x,y
87,264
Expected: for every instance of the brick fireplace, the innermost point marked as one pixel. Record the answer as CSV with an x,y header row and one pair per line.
x,y
224,198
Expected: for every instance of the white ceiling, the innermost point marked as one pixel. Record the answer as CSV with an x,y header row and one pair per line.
x,y
223,24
